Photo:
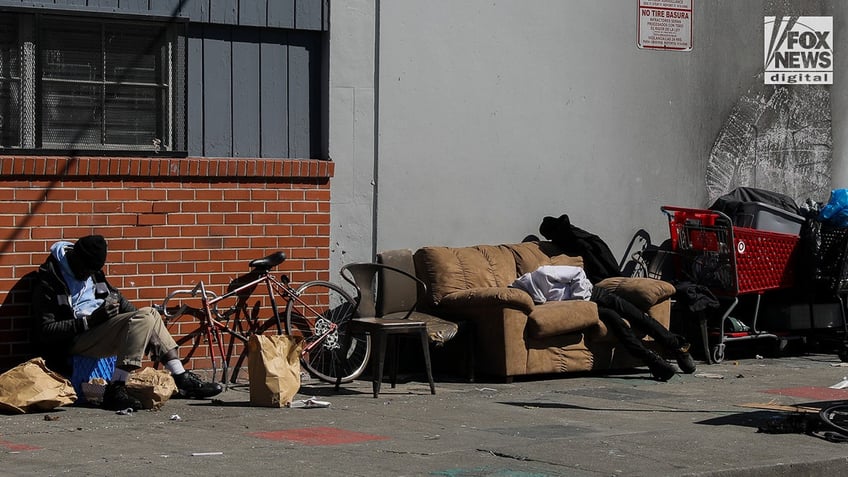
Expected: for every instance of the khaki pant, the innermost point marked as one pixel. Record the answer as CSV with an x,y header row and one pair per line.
x,y
129,336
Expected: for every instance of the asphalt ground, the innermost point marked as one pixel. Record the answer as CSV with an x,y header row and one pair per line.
x,y
579,425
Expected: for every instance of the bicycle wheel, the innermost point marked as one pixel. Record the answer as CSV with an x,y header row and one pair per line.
x,y
319,304
836,416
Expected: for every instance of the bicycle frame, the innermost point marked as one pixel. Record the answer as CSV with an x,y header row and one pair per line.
x,y
213,329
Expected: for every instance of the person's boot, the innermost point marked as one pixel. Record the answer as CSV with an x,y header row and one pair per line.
x,y
661,370
684,359
116,398
190,385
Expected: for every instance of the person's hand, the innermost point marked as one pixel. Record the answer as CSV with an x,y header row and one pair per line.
x,y
110,308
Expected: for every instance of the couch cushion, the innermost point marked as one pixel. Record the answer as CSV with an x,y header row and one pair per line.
x,y
561,317
531,255
642,292
446,270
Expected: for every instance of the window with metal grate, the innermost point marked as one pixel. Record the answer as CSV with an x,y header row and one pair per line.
x,y
91,84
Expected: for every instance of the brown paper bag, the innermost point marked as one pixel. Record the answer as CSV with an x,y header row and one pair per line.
x,y
153,387
31,386
273,364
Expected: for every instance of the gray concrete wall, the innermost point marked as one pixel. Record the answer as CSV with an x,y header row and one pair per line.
x,y
492,115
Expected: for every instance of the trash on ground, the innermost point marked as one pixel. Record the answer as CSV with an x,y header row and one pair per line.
x,y
308,403
203,454
709,376
487,390
125,412
51,418
176,417
841,384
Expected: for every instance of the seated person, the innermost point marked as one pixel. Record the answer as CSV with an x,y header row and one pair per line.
x,y
77,312
555,282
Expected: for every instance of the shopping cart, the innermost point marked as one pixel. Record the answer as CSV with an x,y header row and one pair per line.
x,y
730,261
829,259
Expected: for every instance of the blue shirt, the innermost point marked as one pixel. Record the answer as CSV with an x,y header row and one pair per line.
x,y
81,292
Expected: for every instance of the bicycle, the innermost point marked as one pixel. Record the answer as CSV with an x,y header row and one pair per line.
x,y
318,312
835,417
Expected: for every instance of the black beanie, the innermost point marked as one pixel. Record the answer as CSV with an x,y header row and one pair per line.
x,y
91,251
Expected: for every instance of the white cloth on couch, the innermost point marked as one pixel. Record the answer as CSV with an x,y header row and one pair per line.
x,y
555,283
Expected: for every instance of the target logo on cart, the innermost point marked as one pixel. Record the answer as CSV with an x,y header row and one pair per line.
x,y
740,247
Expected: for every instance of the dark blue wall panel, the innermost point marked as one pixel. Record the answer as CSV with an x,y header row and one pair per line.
x,y
194,100
223,11
274,94
281,14
246,107
303,74
217,97
252,13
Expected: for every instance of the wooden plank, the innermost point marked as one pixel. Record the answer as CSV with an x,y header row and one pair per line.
x,y
217,96
195,10
281,14
308,15
246,85
103,3
172,8
134,6
303,78
252,12
194,86
223,11
273,89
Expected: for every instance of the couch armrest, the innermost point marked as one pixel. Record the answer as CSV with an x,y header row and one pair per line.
x,y
642,292
489,296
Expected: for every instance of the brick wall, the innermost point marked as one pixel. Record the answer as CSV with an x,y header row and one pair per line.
x,y
169,223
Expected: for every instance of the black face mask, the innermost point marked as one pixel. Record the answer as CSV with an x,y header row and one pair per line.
x,y
80,271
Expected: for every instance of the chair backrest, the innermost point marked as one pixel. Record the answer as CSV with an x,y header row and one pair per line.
x,y
383,288
396,292
363,277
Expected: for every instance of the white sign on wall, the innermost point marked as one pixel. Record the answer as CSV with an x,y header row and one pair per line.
x,y
798,50
665,25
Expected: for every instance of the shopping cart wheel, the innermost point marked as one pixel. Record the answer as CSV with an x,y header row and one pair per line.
x,y
718,353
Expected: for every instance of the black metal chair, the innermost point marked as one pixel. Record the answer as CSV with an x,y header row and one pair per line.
x,y
386,310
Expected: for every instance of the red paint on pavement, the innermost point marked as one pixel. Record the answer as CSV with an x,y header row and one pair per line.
x,y
13,447
318,436
812,392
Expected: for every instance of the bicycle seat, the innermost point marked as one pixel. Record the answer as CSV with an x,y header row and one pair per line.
x,y
269,262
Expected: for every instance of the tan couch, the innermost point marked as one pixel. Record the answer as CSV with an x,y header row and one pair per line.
x,y
514,337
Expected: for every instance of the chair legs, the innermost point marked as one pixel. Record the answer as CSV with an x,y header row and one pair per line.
x,y
380,330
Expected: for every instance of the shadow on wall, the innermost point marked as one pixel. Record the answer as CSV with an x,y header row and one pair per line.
x,y
15,324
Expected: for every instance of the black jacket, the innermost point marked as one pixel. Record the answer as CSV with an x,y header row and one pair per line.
x,y
598,261
53,321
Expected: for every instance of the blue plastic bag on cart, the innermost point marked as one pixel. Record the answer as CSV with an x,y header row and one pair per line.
x,y
835,212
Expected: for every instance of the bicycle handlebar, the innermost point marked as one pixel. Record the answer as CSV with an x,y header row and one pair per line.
x,y
163,309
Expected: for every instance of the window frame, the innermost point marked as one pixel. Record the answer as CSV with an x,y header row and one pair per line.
x,y
173,117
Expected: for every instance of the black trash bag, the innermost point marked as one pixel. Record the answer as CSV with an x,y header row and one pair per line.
x,y
730,204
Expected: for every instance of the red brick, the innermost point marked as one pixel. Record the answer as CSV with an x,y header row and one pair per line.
x,y
150,219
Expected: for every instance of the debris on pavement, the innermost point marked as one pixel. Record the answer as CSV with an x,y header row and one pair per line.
x,y
709,375
308,403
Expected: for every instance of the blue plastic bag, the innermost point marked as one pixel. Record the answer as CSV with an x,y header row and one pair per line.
x,y
836,210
